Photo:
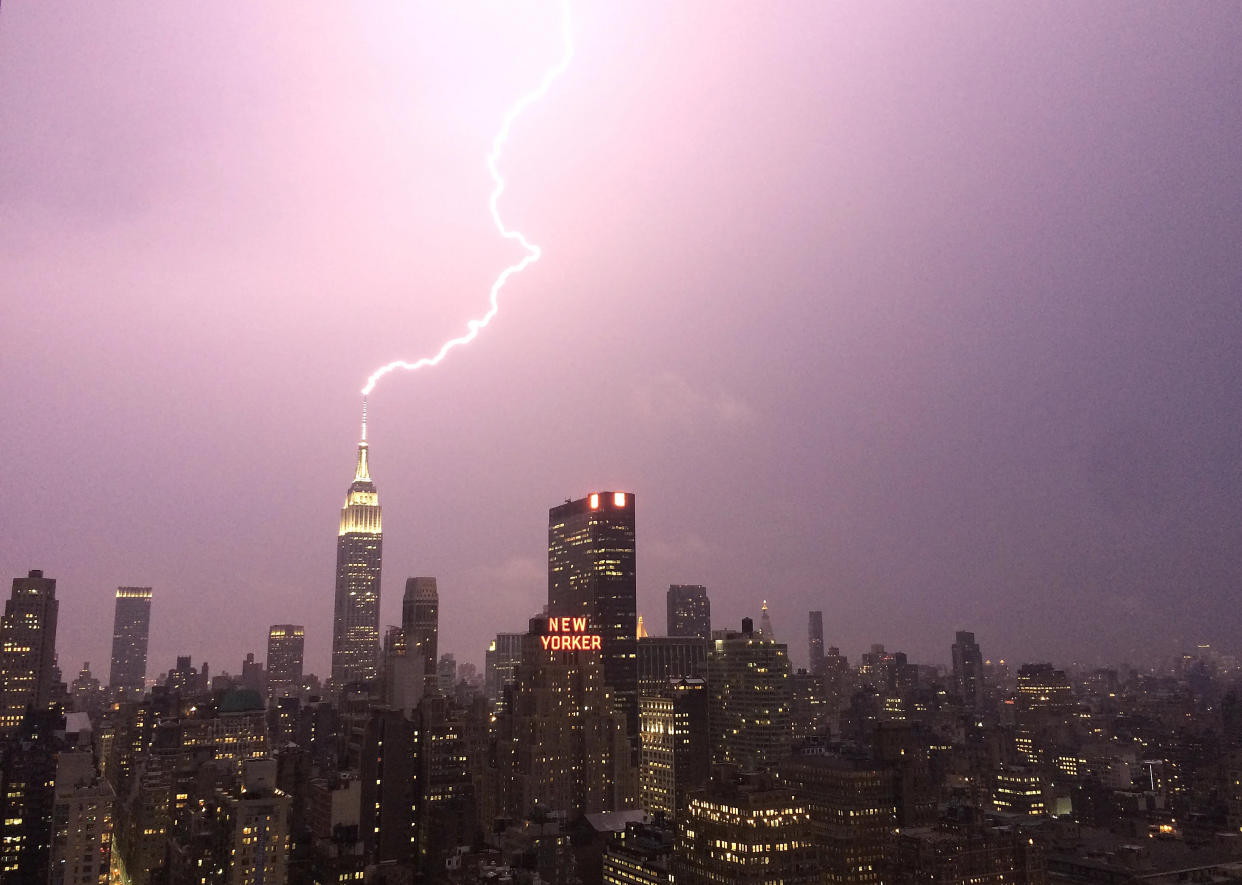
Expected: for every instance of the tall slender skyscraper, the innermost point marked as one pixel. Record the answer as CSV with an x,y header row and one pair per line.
x,y
967,668
355,625
815,638
420,620
27,649
591,572
131,627
689,611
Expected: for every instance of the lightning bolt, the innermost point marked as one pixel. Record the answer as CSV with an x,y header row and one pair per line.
x,y
533,252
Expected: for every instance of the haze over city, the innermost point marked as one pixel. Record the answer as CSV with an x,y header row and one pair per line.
x,y
924,317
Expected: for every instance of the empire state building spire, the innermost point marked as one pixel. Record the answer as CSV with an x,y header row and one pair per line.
x,y
359,545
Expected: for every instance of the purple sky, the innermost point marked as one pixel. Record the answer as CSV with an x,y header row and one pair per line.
x,y
927,316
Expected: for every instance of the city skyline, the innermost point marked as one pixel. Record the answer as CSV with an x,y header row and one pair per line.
x,y
882,316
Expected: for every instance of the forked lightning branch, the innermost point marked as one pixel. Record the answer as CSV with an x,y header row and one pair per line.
x,y
533,252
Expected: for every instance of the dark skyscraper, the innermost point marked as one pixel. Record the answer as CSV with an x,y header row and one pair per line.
x,y
131,627
967,668
503,656
420,619
815,637
751,698
285,646
27,649
689,611
355,626
591,571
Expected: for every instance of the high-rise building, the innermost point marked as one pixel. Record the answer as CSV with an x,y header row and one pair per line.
x,y
355,625
745,832
661,658
131,627
27,649
503,655
815,640
689,611
81,820
286,644
87,694
27,779
591,572
240,835
446,674
420,620
751,696
390,788
853,812
562,744
675,757
641,854
967,668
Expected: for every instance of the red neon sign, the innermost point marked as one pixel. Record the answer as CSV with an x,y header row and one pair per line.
x,y
569,634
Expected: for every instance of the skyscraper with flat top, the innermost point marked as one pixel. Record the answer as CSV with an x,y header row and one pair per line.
x,y
689,611
591,571
27,649
131,627
286,644
967,668
355,623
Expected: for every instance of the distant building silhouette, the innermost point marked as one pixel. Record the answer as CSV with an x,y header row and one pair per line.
x,y
661,658
501,662
968,669
815,642
689,611
420,622
131,630
286,645
765,624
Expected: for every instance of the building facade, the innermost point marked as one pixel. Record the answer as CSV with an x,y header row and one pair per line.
x,y
503,655
420,622
751,699
27,649
359,548
968,669
591,572
286,645
661,658
675,757
562,745
689,611
815,642
131,629
746,832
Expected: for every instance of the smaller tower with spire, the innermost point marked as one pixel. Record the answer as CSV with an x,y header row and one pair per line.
x,y
765,624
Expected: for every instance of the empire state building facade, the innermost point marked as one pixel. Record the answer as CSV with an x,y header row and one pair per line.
x,y
355,625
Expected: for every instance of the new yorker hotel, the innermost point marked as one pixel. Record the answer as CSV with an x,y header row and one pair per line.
x,y
591,575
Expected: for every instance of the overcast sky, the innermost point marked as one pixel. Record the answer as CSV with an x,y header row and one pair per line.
x,y
925,315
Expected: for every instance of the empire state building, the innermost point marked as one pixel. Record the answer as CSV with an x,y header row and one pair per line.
x,y
355,626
